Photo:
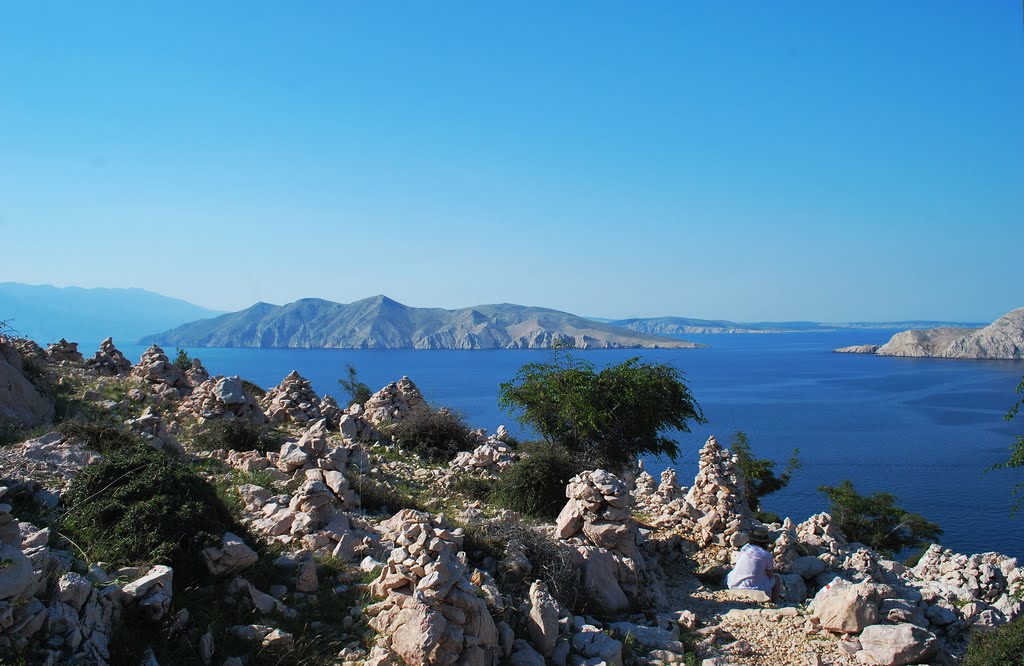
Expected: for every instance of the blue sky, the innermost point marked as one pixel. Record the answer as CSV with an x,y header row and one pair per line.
x,y
747,160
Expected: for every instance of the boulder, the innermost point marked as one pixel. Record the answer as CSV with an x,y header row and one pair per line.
x,y
17,579
542,622
843,607
20,403
895,645
231,556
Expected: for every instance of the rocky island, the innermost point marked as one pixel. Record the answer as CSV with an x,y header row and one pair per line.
x,y
1003,339
382,323
153,514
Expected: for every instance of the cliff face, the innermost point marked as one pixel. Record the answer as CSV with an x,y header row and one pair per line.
x,y
381,323
1003,339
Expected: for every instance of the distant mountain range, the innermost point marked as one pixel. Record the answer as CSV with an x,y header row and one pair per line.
x,y
46,313
382,323
1002,339
688,326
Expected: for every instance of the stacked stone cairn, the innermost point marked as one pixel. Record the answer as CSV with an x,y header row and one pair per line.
x,y
222,398
394,402
597,522
355,427
28,350
153,431
488,460
293,400
63,352
109,360
197,373
432,612
163,377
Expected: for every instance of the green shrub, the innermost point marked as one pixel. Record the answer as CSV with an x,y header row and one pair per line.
x,y
475,488
357,391
437,435
182,361
101,436
237,434
143,506
758,474
257,390
608,418
535,485
877,521
375,496
1002,646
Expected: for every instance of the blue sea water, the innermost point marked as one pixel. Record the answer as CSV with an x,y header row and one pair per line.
x,y
923,429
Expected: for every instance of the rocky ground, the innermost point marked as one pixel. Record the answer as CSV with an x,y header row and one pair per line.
x,y
346,549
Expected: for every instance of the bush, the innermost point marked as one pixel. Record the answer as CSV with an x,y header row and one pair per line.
x,y
143,506
1016,451
237,434
876,520
1003,646
759,478
435,435
182,361
535,485
608,418
375,496
357,391
99,436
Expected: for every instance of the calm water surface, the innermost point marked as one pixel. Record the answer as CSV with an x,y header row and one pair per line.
x,y
924,429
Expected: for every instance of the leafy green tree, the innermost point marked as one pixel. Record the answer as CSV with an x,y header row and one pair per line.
x,y
607,418
877,521
357,390
182,361
1016,449
759,477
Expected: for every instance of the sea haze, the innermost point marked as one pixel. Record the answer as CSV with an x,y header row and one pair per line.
x,y
923,429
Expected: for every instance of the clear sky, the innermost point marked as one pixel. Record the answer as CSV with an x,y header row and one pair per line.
x,y
743,160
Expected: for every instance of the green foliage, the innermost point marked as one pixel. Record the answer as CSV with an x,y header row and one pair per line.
x,y
475,488
144,506
608,418
876,520
759,477
237,434
1016,450
101,436
376,496
535,485
182,360
437,435
356,390
257,390
1003,646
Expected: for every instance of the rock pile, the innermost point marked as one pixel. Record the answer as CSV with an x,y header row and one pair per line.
x,y
163,377
152,429
487,460
354,426
597,521
197,373
63,352
29,351
992,584
432,612
292,400
109,360
21,403
222,398
394,402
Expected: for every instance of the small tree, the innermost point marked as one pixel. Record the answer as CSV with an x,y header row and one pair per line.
x,y
759,477
1016,450
609,418
357,390
182,360
877,521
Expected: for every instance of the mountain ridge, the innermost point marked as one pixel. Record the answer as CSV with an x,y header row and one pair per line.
x,y
380,322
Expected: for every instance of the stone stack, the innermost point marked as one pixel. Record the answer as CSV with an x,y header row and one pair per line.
x,y
354,426
197,374
597,521
152,429
109,360
488,460
222,398
330,410
64,352
719,513
28,349
394,402
163,376
293,400
432,612
819,531
992,581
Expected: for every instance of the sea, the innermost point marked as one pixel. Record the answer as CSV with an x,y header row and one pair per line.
x,y
925,430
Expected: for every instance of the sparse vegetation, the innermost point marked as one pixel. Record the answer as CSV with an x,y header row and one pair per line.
x,y
535,485
182,360
759,477
1016,459
356,390
437,435
238,434
607,418
1003,646
877,521
103,436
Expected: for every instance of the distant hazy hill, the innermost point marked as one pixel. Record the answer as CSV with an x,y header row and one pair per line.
x,y
381,323
1002,339
46,313
689,326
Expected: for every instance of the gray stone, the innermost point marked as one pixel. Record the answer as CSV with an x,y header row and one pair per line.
x,y
896,645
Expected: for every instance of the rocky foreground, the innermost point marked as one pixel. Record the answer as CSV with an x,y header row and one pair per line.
x,y
1003,339
328,568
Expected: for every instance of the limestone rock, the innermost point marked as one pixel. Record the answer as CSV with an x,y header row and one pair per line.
x,y
843,607
232,556
896,645
542,621
64,352
109,360
394,402
20,401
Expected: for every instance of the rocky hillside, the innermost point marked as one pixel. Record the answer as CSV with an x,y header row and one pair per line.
x,y
171,517
1002,339
381,323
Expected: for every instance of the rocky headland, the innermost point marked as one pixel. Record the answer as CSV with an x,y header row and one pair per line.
x,y
338,546
1003,339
